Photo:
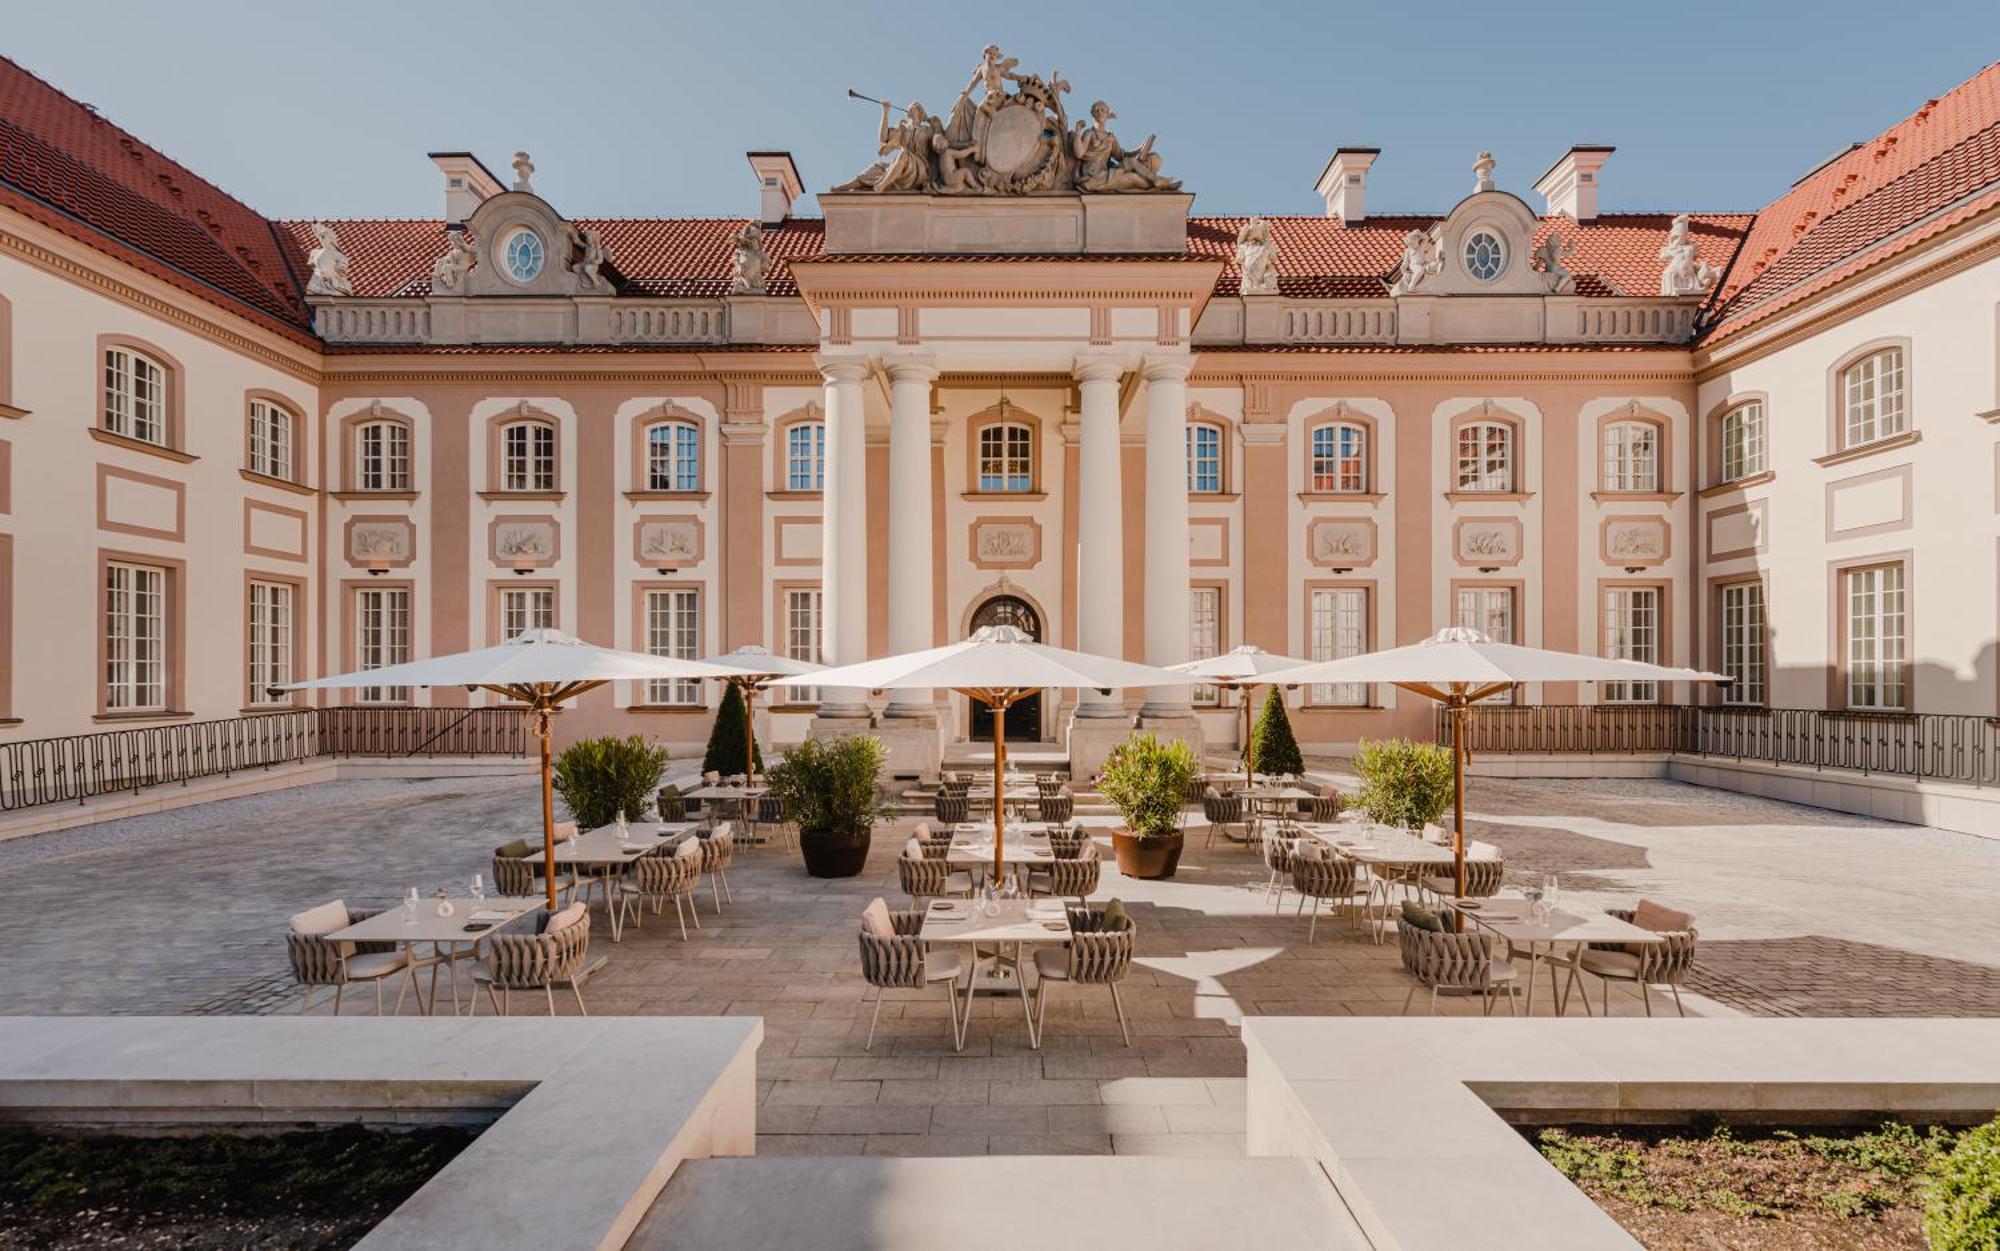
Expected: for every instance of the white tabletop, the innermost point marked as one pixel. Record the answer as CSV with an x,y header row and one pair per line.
x,y
720,791
601,846
1518,925
1023,852
1276,792
1019,921
388,925
1397,851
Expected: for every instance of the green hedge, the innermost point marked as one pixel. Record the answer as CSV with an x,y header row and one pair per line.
x,y
726,738
1403,783
600,777
1962,1197
1273,749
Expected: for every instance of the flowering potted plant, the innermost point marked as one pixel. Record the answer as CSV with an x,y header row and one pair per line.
x,y
1146,779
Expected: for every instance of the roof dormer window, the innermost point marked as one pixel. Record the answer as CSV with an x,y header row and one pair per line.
x,y
524,255
1485,255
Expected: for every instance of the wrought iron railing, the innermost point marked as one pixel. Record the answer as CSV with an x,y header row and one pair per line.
x,y
76,767
1946,747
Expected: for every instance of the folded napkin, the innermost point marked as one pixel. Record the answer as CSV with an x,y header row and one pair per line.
x,y
489,915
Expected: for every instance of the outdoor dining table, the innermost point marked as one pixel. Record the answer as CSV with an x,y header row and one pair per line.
x,y
726,790
1392,859
1268,801
596,859
1026,847
1008,927
1513,920
472,922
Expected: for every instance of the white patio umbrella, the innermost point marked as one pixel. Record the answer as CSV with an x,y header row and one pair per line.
x,y
998,666
1241,669
1458,667
540,668
750,666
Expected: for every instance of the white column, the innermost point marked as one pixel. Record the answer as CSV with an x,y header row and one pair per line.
x,y
911,602
1100,524
1166,528
844,533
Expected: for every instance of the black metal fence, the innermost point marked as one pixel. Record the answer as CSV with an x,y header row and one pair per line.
x,y
75,767
1946,747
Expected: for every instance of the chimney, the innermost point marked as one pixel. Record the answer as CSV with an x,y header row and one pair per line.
x,y
1343,184
466,184
1570,186
778,185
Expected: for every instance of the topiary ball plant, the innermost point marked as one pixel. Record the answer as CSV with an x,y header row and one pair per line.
x,y
732,740
1962,1196
1273,749
1403,783
600,777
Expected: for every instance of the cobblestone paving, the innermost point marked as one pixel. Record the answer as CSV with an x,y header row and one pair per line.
x,y
1801,911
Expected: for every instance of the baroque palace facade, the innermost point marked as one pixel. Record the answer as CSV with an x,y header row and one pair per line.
x,y
1007,376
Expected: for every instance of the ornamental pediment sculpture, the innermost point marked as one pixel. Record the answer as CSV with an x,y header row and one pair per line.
x,y
1685,273
749,265
329,264
1008,133
1257,257
448,275
1422,259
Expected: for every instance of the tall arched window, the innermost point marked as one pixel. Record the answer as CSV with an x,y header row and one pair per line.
x,y
1006,457
1631,456
382,456
135,395
1485,457
1204,459
673,456
1743,441
1872,398
270,440
1339,458
805,456
528,456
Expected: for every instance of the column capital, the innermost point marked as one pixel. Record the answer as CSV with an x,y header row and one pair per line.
x,y
911,367
939,429
1175,368
842,368
1096,367
742,433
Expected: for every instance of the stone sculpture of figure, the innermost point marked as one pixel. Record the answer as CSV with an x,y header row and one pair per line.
x,y
1552,252
1420,261
908,149
750,263
994,71
1685,272
1257,257
591,258
448,275
329,265
1103,164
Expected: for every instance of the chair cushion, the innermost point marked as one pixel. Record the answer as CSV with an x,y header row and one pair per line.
x,y
689,849
942,966
875,919
1052,963
1326,790
1610,963
1116,919
1501,970
564,918
914,849
512,851
1659,918
565,830
1422,918
324,919
923,831
375,964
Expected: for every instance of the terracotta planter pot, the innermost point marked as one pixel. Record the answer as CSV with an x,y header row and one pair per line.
x,y
1147,857
834,853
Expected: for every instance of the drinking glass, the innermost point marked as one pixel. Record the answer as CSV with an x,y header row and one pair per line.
x,y
479,888
1551,890
410,907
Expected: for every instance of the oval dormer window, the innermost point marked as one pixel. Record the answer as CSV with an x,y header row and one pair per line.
x,y
1485,255
524,255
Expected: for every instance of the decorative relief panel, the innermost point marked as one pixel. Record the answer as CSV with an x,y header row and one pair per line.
x,y
669,542
1487,542
1341,542
275,531
1870,503
381,542
795,541
1208,542
1631,541
1738,530
524,542
1006,543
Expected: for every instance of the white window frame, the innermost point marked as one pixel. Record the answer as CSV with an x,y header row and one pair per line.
x,y
1338,627
1632,456
673,628
1744,445
382,456
1205,607
1204,459
1876,606
135,637
1741,643
135,396
1632,617
525,608
272,614
1874,401
1494,611
528,456
1337,458
805,623
1009,448
673,456
805,456
271,439
1480,468
381,638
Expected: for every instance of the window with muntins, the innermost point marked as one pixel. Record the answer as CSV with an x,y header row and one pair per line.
x,y
1490,610
1205,635
1632,456
1006,458
1485,457
673,628
135,638
805,456
673,457
1743,441
802,636
525,608
135,396
382,638
1631,632
1204,459
382,456
1742,610
1339,459
528,456
1872,398
270,440
1877,638
1339,630
270,612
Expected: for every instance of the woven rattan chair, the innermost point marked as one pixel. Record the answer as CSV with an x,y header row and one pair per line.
x,y
1645,965
952,809
1278,846
1462,963
1223,809
1055,805
902,963
658,878
926,877
1068,877
318,961
1482,880
1068,844
1197,790
535,962
718,852
771,815
1094,956
936,845
1326,808
1334,879
669,803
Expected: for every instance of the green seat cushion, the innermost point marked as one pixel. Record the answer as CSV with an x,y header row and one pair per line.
x,y
1422,918
1115,917
512,851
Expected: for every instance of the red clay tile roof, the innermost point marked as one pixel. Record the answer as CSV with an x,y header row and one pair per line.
x,y
1927,173
67,167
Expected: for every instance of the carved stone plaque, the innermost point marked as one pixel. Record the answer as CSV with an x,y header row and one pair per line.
x,y
1487,541
1006,543
676,541
524,541
1634,541
381,541
1341,543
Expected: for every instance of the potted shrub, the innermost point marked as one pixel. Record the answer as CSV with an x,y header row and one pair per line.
x,y
1273,750
1147,780
828,785
1404,784
600,777
731,741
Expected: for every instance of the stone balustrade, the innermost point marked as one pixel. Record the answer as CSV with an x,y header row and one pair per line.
x,y
349,320
669,321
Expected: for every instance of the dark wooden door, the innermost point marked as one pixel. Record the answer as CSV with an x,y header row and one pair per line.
x,y
1024,718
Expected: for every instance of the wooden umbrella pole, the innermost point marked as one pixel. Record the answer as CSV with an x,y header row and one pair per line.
x,y
1457,707
1248,780
749,738
543,712
999,790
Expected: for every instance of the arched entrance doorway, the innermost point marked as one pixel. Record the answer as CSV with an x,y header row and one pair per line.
x,y
1024,718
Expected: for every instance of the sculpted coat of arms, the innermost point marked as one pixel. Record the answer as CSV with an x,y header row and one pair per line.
x,y
1007,134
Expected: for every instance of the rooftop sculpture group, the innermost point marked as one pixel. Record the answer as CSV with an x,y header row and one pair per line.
x,y
1007,134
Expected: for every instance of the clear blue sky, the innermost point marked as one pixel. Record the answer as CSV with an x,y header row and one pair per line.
x,y
327,109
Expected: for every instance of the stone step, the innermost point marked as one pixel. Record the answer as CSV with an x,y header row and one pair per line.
x,y
998,1203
